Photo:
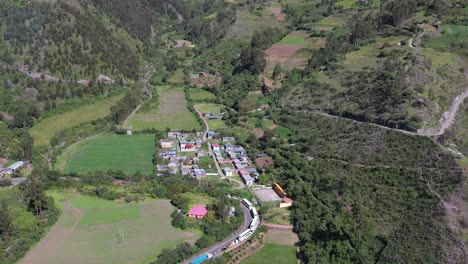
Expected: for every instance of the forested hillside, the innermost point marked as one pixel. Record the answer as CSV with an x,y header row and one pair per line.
x,y
365,194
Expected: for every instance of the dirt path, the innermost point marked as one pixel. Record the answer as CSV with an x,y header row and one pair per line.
x,y
277,226
447,117
68,151
148,72
44,251
180,18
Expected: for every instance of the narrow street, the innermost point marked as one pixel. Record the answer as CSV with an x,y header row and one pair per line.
x,y
241,185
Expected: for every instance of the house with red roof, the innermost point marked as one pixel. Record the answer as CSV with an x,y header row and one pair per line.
x,y
198,212
216,147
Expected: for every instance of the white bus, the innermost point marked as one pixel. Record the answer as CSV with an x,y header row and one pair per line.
x,y
247,203
253,212
254,223
244,235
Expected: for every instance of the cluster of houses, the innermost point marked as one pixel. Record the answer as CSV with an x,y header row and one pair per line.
x,y
230,154
178,142
12,168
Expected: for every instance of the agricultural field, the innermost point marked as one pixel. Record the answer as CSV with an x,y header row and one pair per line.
x,y
216,109
43,131
171,112
118,152
200,95
92,230
279,249
247,23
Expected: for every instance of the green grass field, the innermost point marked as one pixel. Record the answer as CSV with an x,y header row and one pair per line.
x,y
273,253
171,112
293,41
91,230
117,152
453,35
200,94
45,129
213,108
247,23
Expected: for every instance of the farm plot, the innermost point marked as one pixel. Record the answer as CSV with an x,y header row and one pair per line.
x,y
200,95
43,131
247,23
172,113
215,109
91,230
118,152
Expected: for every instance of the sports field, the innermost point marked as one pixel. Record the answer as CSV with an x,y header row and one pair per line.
x,y
117,152
216,109
45,129
171,112
91,230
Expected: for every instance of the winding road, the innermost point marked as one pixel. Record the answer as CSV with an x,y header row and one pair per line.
x,y
217,249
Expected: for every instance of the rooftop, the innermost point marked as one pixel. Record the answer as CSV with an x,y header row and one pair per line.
x,y
198,210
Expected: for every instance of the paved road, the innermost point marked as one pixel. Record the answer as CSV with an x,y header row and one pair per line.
x,y
217,249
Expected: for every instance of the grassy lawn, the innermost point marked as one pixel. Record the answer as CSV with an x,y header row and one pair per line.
x,y
293,41
117,152
171,112
88,231
216,109
200,94
198,199
273,253
346,3
45,129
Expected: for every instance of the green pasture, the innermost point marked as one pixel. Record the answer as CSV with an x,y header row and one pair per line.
x,y
452,35
197,94
171,112
91,230
346,3
273,253
118,152
213,108
293,41
43,130
366,56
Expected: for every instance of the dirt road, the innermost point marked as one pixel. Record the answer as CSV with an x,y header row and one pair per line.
x,y
447,117
148,72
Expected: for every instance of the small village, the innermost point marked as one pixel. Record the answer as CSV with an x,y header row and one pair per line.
x,y
189,155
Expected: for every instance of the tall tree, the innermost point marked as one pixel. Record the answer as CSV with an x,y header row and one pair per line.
x,y
5,221
34,193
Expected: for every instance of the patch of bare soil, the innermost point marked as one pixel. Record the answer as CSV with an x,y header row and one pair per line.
x,y
180,43
258,132
280,17
3,161
282,50
287,63
323,28
256,92
7,116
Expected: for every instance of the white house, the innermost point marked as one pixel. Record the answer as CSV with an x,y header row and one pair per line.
x,y
227,171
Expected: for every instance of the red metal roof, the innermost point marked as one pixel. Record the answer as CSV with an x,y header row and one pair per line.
x,y
198,211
